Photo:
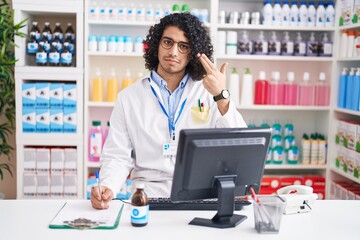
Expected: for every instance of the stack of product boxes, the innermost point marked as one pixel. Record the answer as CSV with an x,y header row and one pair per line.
x,y
50,172
49,107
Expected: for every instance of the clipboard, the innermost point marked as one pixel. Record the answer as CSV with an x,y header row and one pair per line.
x,y
79,214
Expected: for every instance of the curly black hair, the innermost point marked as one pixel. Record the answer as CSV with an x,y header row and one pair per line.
x,y
195,32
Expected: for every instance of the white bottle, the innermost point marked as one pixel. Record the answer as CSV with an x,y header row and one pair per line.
x,y
167,10
120,40
276,14
350,44
159,13
285,14
303,15
234,86
122,12
261,45
149,13
140,12
343,44
131,12
312,46
320,15
247,89
138,46
299,46
311,22
102,44
274,45
112,45
104,11
244,45
294,14
325,47
94,11
113,11
330,15
287,45
267,13
129,45
92,43
357,45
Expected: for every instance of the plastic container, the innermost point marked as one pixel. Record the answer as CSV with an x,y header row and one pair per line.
x,y
127,80
311,15
261,89
343,43
320,15
277,13
290,90
261,45
274,45
299,46
294,14
306,91
349,88
112,87
342,89
95,141
139,207
303,15
356,91
276,90
106,132
234,86
267,13
268,214
312,46
97,87
322,91
330,15
247,89
287,45
285,14
325,47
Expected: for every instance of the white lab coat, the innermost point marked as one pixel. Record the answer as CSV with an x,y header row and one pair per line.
x,y
139,128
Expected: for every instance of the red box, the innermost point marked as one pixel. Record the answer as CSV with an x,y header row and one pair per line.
x,y
269,185
316,182
291,180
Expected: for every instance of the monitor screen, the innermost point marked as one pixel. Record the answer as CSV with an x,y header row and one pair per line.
x,y
219,163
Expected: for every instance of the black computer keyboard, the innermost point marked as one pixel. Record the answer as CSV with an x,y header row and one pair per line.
x,y
209,204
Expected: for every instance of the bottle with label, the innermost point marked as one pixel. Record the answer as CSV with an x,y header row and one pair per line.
x,y
46,42
274,45
97,87
306,91
47,30
325,47
342,88
66,56
41,55
343,43
305,149
102,44
59,46
261,45
95,141
139,207
122,12
311,22
294,14
104,11
288,128
290,90
278,155
330,15
234,86
320,15
349,88
58,32
287,45
276,13
140,12
285,14
356,92
54,55
267,13
322,91
159,13
35,31
106,132
92,43
261,89
247,94
70,44
303,15
32,45
276,90
149,13
350,46
292,155
94,10
244,45
112,44
299,46
127,81
112,86
69,32
312,46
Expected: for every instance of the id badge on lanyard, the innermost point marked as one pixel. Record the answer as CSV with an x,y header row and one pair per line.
x,y
169,150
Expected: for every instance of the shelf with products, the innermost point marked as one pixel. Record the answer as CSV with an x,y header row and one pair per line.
x,y
59,122
274,28
295,167
274,58
344,175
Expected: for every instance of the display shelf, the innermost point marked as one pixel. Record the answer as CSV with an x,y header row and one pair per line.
x,y
353,59
351,26
295,167
344,174
283,108
101,104
274,58
347,111
93,164
49,139
276,28
114,54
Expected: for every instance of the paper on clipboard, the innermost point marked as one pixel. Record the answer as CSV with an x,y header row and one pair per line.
x,y
82,210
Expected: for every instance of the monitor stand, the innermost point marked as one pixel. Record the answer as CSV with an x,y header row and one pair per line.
x,y
225,217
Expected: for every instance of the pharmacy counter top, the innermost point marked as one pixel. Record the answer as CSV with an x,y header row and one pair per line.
x,y
29,219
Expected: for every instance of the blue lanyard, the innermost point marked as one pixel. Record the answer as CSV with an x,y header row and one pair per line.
x,y
171,124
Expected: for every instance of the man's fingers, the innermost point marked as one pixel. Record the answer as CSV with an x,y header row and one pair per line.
x,y
223,68
204,63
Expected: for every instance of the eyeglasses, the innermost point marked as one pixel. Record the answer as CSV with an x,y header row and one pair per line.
x,y
168,43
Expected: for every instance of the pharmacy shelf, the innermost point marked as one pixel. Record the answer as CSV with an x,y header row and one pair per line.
x,y
294,167
283,108
347,111
344,174
275,58
101,104
48,139
93,164
65,72
351,26
353,59
275,28
121,23
114,54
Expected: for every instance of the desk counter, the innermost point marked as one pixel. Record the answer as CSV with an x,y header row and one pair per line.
x,y
29,219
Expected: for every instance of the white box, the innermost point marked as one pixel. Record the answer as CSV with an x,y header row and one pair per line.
x,y
346,11
357,145
57,186
56,120
56,95
28,95
43,186
43,159
29,185
42,94
70,185
69,95
43,120
70,161
350,162
30,160
350,135
57,157
28,120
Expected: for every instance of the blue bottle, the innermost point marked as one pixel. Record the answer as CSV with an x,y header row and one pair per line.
x,y
342,88
349,85
356,91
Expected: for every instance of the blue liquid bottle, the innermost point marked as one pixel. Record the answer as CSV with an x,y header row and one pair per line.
x,y
356,91
342,88
349,86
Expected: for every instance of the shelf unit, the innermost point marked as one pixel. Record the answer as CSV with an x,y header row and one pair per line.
x,y
53,11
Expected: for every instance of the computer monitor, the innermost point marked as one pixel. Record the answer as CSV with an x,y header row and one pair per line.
x,y
219,163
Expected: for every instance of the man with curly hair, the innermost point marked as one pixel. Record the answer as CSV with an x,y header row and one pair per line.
x,y
183,90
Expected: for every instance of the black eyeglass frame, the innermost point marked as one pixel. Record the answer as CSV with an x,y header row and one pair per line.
x,y
171,44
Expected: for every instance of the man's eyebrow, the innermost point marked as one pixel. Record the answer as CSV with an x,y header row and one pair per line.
x,y
174,40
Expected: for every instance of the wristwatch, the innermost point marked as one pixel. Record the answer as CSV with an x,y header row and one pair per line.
x,y
225,94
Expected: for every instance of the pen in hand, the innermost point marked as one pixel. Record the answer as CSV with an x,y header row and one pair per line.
x,y
98,182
